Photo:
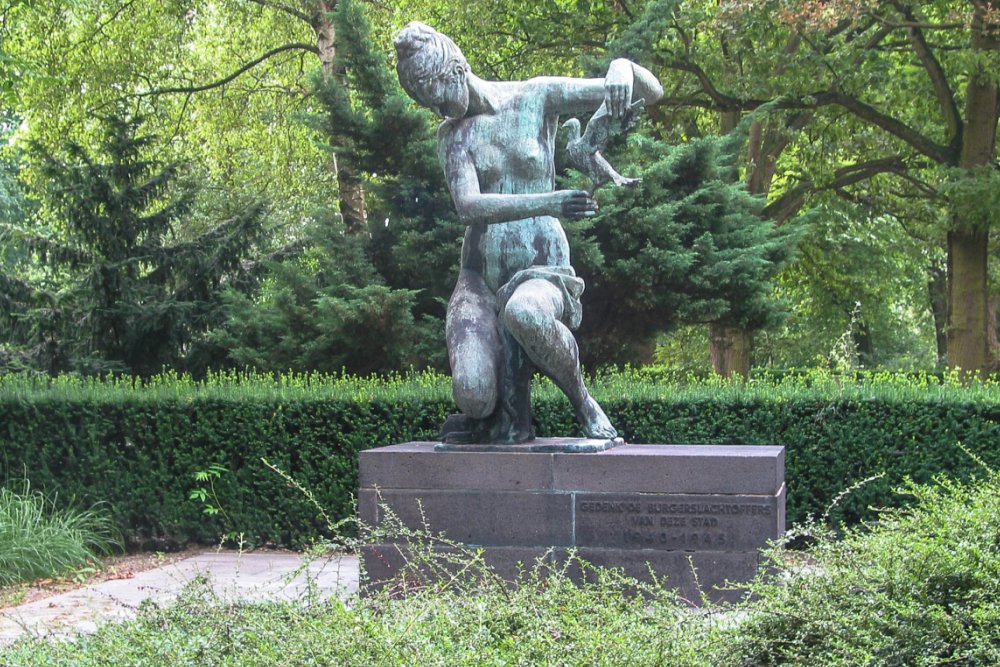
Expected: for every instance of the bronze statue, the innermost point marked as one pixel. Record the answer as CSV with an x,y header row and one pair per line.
x,y
517,297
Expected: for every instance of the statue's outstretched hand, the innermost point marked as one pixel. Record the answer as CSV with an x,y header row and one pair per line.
x,y
575,203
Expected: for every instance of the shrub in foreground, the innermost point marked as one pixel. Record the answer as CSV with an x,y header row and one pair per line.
x,y
920,586
917,587
604,623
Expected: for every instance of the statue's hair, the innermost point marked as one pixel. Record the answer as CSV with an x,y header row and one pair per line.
x,y
423,53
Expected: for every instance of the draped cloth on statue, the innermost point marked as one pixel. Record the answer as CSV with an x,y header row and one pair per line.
x,y
563,277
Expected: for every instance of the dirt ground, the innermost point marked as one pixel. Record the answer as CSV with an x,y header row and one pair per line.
x,y
111,567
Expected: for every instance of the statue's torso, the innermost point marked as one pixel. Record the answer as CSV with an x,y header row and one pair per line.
x,y
513,153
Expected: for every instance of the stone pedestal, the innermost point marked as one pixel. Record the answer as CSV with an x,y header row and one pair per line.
x,y
666,507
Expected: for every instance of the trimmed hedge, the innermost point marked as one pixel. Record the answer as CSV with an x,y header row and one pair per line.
x,y
138,446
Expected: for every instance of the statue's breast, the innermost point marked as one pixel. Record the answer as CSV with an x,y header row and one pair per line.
x,y
511,157
515,166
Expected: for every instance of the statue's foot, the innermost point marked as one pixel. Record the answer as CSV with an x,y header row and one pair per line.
x,y
595,423
463,430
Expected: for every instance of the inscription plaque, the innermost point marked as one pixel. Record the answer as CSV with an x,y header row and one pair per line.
x,y
675,522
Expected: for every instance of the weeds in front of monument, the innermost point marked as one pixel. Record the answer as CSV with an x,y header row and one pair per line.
x,y
919,586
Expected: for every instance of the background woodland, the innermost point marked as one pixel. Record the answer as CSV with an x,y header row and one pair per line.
x,y
198,184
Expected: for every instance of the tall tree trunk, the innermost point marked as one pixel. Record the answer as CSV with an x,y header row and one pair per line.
x,y
349,181
937,288
992,342
968,239
967,300
730,348
861,336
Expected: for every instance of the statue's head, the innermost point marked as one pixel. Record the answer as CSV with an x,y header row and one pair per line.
x,y
432,70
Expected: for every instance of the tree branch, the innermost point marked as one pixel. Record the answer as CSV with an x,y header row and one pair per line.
x,y
291,11
723,102
789,203
100,28
946,98
912,22
625,9
869,114
679,102
223,81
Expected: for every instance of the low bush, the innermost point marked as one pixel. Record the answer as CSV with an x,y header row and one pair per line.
x,y
39,539
916,587
920,586
139,445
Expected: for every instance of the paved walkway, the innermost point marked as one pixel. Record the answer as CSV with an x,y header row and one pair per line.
x,y
233,576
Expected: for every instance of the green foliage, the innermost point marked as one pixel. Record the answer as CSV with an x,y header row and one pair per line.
x,y
415,232
552,623
137,445
324,310
362,302
855,275
122,288
85,57
917,588
39,539
524,38
686,245
974,194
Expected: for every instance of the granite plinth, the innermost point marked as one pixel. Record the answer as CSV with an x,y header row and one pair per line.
x,y
675,509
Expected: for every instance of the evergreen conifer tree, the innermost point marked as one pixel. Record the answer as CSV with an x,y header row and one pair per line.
x,y
325,310
415,232
687,245
362,302
122,288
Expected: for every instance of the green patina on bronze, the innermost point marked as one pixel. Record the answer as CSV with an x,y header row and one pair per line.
x,y
517,298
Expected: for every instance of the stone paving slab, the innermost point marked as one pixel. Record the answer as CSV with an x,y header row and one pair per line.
x,y
251,577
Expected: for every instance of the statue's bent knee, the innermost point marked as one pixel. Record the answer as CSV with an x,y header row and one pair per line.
x,y
531,310
520,318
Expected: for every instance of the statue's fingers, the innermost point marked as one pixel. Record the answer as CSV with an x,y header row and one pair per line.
x,y
581,208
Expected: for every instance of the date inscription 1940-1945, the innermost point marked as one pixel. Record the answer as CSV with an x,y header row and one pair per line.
x,y
690,523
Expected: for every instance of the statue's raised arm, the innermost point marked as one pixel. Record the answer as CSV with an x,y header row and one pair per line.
x,y
517,296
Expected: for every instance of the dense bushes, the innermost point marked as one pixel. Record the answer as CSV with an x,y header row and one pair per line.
x,y
138,447
920,587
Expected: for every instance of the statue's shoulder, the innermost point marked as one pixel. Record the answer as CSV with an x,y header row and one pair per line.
x,y
539,85
449,145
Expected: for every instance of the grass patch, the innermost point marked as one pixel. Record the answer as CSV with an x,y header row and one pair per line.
x,y
39,540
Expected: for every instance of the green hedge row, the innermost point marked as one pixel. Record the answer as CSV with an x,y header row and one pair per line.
x,y
137,447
